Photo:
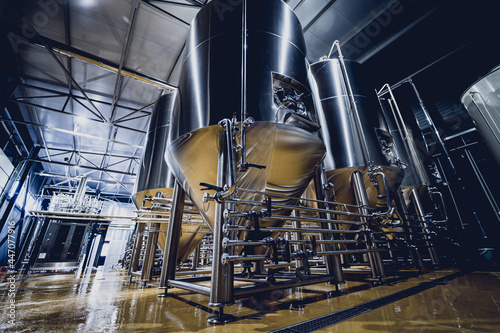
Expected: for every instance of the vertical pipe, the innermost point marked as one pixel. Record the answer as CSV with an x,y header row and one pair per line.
x,y
80,191
376,264
243,83
173,236
221,288
421,216
297,236
432,125
196,258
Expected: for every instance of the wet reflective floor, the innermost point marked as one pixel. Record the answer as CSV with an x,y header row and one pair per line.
x,y
107,302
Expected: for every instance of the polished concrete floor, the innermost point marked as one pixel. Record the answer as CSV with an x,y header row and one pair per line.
x,y
107,302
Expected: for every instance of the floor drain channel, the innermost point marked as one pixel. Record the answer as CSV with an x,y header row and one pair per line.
x,y
336,317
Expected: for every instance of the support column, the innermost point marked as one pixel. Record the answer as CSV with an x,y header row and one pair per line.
x,y
376,264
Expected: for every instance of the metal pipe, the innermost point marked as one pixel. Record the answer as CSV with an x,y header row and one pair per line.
x,y
301,208
298,218
226,243
226,259
221,286
190,286
277,195
432,125
284,229
243,84
230,183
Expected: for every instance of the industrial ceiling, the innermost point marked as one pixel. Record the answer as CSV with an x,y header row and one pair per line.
x,y
89,71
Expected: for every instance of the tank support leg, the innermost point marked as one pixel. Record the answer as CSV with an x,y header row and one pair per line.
x,y
149,253
414,252
374,258
172,238
425,227
333,263
136,253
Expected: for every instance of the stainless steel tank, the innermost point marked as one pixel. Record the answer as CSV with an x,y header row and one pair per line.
x,y
408,146
482,101
247,60
351,132
154,177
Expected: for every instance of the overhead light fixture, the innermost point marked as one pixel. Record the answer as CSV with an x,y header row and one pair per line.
x,y
88,3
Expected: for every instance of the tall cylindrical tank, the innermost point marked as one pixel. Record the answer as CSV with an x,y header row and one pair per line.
x,y
482,101
247,59
408,146
154,174
154,177
351,130
226,72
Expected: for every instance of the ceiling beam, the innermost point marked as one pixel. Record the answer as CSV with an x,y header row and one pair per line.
x,y
64,94
40,160
165,12
91,59
76,115
71,132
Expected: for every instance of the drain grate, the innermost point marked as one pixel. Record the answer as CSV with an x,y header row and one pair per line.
x,y
336,317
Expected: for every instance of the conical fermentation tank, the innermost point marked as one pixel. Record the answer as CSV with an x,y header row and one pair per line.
x,y
246,60
154,178
350,128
